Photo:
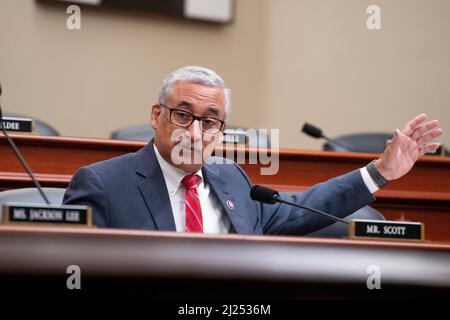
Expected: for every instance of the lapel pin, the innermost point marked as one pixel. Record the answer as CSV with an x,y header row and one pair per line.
x,y
230,204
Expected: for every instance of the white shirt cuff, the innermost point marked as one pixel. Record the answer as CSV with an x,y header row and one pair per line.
x,y
368,180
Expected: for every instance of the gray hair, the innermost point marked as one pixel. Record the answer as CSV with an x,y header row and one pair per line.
x,y
204,76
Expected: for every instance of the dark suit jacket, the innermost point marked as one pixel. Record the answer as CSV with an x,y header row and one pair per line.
x,y
130,192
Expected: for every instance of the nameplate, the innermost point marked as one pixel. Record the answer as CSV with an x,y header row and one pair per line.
x,y
14,124
237,137
386,230
61,215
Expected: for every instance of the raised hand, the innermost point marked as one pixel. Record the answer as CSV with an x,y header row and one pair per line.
x,y
412,142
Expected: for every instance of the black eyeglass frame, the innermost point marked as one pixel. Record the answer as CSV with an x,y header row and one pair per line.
x,y
194,117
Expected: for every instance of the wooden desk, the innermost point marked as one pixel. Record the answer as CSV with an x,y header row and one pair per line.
x,y
422,195
163,265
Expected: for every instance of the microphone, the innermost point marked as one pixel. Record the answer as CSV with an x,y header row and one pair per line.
x,y
358,228
270,196
264,194
20,156
315,132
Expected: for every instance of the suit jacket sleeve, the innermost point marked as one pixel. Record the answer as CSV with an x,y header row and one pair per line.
x,y
340,196
87,188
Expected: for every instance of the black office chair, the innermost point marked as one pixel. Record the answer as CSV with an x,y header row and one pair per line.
x,y
140,132
31,195
42,128
339,229
360,142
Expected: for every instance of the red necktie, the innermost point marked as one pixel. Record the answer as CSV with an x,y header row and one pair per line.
x,y
194,220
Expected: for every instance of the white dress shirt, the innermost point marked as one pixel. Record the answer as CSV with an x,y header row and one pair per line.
x,y
215,220
370,184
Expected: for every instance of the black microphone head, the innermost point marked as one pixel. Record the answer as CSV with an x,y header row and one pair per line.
x,y
263,194
312,130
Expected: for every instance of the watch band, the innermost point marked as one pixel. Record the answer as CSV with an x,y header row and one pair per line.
x,y
375,175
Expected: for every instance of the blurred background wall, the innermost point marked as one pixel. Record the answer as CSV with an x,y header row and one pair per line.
x,y
286,61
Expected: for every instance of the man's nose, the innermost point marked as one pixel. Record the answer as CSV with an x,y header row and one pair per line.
x,y
195,130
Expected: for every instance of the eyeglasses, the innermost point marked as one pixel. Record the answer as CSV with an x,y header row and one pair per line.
x,y
184,119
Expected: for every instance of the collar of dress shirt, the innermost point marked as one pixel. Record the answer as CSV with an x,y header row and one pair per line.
x,y
172,174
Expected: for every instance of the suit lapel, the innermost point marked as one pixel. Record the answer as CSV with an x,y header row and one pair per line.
x,y
229,199
154,192
153,189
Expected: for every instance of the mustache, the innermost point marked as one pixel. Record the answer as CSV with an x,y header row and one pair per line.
x,y
194,146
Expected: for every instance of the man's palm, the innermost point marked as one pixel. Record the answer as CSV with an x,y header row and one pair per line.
x,y
414,141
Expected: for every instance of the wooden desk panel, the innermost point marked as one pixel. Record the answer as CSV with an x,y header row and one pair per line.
x,y
422,195
60,155
163,265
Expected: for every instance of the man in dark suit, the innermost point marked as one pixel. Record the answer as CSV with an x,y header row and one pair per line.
x,y
174,184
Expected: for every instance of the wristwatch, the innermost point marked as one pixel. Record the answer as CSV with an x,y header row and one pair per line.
x,y
379,180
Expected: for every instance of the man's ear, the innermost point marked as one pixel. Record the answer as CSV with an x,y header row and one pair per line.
x,y
155,113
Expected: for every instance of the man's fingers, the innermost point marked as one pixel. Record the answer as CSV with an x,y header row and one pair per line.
x,y
423,129
396,139
409,128
428,148
429,136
